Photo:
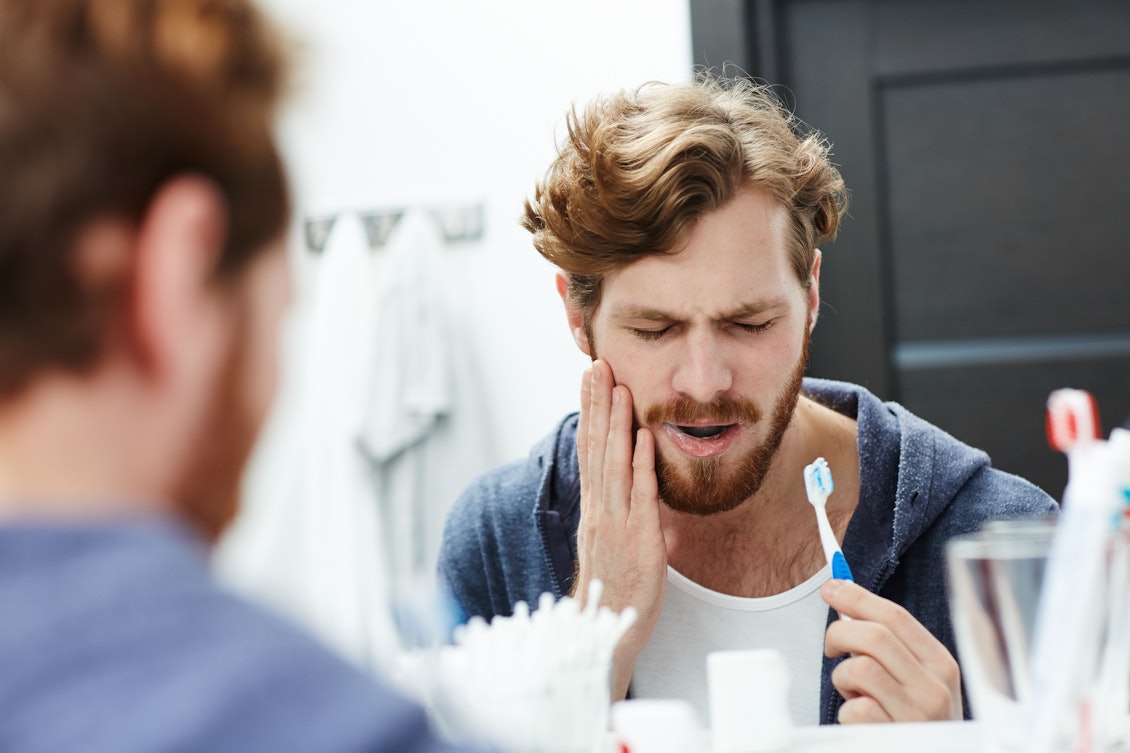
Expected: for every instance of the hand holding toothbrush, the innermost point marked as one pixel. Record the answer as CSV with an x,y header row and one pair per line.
x,y
897,671
619,541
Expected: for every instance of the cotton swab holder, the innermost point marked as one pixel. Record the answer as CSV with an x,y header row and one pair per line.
x,y
536,681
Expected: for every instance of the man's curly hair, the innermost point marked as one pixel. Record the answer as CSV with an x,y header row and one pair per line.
x,y
639,168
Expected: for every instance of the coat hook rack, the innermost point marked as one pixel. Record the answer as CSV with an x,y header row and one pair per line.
x,y
457,224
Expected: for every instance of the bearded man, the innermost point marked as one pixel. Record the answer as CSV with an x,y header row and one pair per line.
x,y
685,221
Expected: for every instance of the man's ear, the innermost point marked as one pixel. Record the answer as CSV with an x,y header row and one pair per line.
x,y
814,291
179,242
574,315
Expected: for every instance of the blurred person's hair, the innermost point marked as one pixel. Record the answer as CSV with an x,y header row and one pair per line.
x,y
101,102
639,168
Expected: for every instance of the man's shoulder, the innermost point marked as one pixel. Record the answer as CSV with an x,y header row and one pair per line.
x,y
508,535
516,486
131,620
928,472
842,397
965,473
997,494
284,688
956,485
887,427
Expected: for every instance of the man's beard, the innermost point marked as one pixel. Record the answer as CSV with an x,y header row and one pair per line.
x,y
710,488
208,493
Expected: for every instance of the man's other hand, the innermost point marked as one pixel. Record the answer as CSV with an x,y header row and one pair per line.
x,y
898,671
620,540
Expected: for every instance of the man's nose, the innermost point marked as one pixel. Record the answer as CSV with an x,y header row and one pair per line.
x,y
703,372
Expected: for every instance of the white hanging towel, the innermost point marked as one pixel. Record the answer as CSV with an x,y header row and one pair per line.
x,y
380,429
425,431
308,538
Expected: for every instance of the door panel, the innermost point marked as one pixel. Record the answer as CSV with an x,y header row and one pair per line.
x,y
987,148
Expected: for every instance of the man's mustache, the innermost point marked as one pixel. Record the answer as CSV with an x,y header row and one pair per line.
x,y
722,410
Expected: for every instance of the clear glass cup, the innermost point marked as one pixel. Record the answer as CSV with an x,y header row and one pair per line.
x,y
995,580
995,577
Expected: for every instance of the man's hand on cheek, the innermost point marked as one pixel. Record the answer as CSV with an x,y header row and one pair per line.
x,y
898,671
619,540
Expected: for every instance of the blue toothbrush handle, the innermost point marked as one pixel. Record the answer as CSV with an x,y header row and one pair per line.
x,y
840,569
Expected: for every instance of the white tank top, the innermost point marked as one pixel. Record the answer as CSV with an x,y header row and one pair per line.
x,y
696,621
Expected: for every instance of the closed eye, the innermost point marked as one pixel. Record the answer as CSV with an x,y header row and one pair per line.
x,y
649,334
754,328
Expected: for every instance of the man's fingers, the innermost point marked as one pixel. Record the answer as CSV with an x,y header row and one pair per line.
x,y
928,699
863,710
903,667
860,604
861,637
645,487
618,453
600,404
862,676
583,432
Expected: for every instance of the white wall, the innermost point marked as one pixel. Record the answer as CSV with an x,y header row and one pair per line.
x,y
457,102
420,103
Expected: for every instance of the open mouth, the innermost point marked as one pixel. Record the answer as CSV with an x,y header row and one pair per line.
x,y
703,441
704,432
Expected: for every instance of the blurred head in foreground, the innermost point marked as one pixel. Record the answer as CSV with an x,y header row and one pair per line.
x,y
142,270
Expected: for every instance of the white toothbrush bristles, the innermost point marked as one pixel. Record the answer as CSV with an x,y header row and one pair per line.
x,y
818,485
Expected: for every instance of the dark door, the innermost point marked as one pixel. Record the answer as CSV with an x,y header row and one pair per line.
x,y
987,147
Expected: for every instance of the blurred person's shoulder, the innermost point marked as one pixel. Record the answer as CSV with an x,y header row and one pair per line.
x,y
121,641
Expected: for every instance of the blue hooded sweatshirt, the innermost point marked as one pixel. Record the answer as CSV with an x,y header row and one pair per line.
x,y
512,535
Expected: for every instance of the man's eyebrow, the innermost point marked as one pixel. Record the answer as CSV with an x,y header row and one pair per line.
x,y
756,308
643,313
745,310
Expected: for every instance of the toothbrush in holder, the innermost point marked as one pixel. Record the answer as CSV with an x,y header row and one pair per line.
x,y
818,484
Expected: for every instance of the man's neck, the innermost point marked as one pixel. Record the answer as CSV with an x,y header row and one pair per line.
x,y
66,453
770,542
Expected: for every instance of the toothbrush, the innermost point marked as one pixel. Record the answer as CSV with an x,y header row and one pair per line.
x,y
818,484
1113,694
1068,614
